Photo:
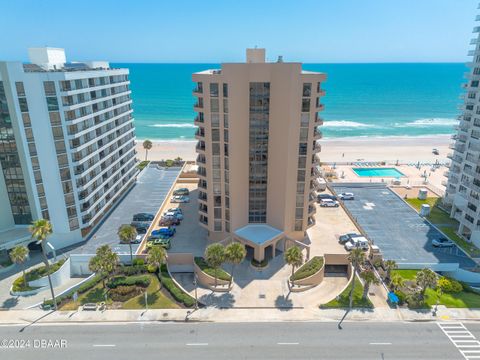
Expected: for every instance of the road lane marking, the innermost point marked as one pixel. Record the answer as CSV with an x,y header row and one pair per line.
x,y
380,343
287,343
457,333
104,345
197,344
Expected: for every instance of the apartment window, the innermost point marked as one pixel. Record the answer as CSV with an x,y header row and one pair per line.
x,y
213,89
298,225
78,84
215,134
214,106
225,120
40,190
303,134
49,87
23,104
60,147
29,134
217,225
199,88
225,105
225,135
57,132
300,188
319,86
215,120
225,90
299,200
20,88
26,120
301,175
62,160
55,118
305,120
215,148
299,213
217,201
65,174
227,227
217,213
474,84
73,222
305,105
307,89
302,149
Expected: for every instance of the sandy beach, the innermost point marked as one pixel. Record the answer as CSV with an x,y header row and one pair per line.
x,y
390,149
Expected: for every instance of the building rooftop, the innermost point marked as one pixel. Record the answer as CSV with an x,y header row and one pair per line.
x,y
258,233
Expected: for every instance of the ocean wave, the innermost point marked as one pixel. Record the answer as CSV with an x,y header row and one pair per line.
x,y
185,125
428,122
345,124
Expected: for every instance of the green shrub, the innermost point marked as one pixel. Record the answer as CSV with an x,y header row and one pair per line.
x,y
152,268
138,261
142,165
19,285
449,285
142,280
133,270
415,300
90,284
402,297
36,274
203,265
177,293
309,268
123,293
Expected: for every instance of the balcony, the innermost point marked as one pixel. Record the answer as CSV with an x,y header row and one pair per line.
x,y
473,41
471,53
198,105
200,147
311,210
321,92
201,159
202,196
200,134
318,121
202,171
317,147
311,221
202,184
476,29
320,107
317,135
203,220
312,197
197,91
316,170
198,120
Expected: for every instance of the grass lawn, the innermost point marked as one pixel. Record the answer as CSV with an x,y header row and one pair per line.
x,y
343,299
406,274
155,298
309,268
463,299
221,274
471,249
94,295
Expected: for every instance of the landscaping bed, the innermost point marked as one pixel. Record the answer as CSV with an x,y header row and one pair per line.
x,y
343,300
35,274
142,165
311,267
156,298
221,274
177,293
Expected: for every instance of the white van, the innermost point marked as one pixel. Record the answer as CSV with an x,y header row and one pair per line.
x,y
357,242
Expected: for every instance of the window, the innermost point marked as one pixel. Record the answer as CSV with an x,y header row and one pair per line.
x,y
49,87
214,107
215,134
55,118
214,90
20,88
303,134
26,120
225,90
301,175
215,120
305,105
298,225
217,213
225,120
217,225
23,104
302,149
307,89
57,132
215,148
217,201
225,135
299,213
225,105
305,120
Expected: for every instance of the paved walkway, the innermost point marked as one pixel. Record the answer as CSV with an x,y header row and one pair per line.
x,y
28,317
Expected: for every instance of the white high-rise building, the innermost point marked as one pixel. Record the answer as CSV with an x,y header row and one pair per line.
x,y
463,186
67,145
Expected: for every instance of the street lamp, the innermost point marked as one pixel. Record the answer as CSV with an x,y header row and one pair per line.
x,y
195,284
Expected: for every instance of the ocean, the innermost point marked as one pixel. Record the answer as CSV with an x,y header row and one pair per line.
x,y
362,99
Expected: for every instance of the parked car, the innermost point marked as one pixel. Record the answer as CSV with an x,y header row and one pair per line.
x,y
164,230
346,196
442,242
180,199
357,242
143,217
347,237
174,214
320,197
161,241
329,203
175,210
181,191
141,226
138,239
168,221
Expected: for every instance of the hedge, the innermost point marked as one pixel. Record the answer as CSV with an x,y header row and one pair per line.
x,y
133,269
142,165
177,293
90,284
203,265
308,269
142,280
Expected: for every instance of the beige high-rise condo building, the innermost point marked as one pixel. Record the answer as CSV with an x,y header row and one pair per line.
x,y
257,140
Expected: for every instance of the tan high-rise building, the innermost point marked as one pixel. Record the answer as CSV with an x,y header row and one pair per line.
x,y
257,139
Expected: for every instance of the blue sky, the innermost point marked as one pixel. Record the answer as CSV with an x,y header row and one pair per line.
x,y
323,31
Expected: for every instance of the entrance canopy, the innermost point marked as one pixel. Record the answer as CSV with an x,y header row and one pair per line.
x,y
259,236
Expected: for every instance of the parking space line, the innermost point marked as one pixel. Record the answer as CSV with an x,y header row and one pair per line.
x,y
197,344
288,343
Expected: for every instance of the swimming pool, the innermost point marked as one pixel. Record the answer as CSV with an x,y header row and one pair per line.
x,y
377,172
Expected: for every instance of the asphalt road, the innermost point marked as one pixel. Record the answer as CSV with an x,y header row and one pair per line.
x,y
283,340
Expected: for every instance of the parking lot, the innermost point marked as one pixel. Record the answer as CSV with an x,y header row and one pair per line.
x,y
152,186
397,229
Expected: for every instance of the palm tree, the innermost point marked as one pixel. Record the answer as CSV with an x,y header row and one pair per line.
x,y
389,265
234,254
147,145
369,278
105,262
40,229
397,281
356,257
19,256
156,256
215,257
293,257
425,279
127,233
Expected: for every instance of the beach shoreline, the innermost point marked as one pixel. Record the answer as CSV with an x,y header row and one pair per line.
x,y
405,149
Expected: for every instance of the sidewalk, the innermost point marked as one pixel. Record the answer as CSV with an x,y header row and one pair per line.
x,y
28,317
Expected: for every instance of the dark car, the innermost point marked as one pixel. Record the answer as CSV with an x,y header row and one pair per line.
x,y
143,217
141,226
181,191
169,221
321,197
